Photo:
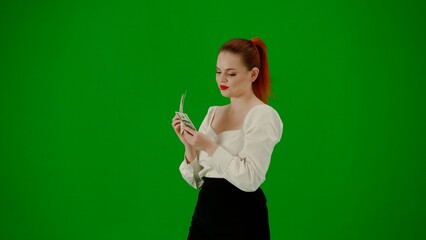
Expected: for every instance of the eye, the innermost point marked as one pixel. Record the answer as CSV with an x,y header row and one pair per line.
x,y
218,72
232,74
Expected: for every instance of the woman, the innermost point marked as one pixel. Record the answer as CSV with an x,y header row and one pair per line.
x,y
230,154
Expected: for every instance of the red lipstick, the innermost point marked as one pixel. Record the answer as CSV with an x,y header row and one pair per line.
x,y
223,87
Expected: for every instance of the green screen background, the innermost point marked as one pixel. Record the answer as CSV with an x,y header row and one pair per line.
x,y
88,90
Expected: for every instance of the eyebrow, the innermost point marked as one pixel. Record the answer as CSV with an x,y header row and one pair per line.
x,y
227,69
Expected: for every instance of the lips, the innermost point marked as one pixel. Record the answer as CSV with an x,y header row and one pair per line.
x,y
223,87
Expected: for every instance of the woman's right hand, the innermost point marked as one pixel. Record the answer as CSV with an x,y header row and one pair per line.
x,y
190,152
176,126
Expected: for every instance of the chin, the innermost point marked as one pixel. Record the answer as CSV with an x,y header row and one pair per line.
x,y
225,94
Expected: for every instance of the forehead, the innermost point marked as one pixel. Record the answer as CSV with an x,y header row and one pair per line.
x,y
227,59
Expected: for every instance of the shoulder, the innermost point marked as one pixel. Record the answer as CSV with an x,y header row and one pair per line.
x,y
262,111
210,112
207,118
263,115
212,109
218,107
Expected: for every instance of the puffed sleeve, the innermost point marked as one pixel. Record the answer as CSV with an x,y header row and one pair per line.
x,y
262,131
190,172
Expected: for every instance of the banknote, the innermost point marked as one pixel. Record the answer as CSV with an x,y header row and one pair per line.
x,y
184,119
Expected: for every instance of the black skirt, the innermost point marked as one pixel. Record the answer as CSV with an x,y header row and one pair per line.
x,y
223,211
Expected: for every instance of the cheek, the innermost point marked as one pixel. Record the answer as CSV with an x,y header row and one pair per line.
x,y
240,81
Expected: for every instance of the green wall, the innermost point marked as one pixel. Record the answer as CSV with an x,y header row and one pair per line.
x,y
88,90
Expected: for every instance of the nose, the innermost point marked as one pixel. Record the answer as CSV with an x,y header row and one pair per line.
x,y
222,78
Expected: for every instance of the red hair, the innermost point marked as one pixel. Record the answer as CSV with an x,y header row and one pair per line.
x,y
253,54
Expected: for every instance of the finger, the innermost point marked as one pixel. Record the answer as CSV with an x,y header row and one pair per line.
x,y
176,126
174,123
176,120
188,138
189,130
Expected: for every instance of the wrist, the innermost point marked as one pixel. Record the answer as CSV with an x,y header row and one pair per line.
x,y
186,160
190,154
211,148
189,148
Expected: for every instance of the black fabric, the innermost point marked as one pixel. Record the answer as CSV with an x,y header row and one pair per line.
x,y
225,212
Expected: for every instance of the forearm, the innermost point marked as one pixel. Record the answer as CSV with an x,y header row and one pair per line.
x,y
190,154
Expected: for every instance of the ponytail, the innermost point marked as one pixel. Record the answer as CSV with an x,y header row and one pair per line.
x,y
262,85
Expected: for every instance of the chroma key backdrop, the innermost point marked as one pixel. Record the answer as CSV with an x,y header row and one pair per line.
x,y
88,90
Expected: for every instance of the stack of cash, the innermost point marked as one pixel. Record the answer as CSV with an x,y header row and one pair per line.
x,y
184,119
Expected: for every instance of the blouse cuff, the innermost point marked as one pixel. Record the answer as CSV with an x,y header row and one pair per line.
x,y
221,159
195,165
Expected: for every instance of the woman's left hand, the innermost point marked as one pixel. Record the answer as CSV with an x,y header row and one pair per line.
x,y
199,140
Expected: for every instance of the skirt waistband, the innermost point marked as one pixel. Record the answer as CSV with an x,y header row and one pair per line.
x,y
224,186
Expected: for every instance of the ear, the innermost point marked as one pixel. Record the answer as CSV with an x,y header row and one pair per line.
x,y
254,73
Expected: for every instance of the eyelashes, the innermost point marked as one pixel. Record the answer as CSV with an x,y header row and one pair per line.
x,y
229,74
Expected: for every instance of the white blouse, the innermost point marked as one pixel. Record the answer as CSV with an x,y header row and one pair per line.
x,y
243,155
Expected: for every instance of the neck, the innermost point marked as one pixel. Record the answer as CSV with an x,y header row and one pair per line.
x,y
242,102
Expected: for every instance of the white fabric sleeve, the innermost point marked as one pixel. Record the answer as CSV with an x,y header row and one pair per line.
x,y
190,172
262,131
